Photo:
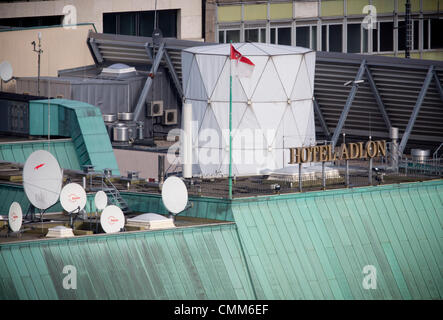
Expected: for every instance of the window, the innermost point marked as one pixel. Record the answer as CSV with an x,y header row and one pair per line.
x,y
365,40
436,36
324,38
281,35
335,37
401,35
375,40
314,37
255,35
27,22
415,27
232,35
302,36
140,23
221,36
284,36
425,34
331,37
386,36
354,38
251,35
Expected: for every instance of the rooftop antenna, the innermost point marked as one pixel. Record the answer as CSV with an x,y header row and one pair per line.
x,y
73,200
112,219
42,181
39,52
5,73
174,196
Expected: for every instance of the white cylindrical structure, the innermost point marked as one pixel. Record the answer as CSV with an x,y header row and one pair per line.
x,y
272,110
186,141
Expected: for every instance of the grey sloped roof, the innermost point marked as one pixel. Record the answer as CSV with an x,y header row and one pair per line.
x,y
398,81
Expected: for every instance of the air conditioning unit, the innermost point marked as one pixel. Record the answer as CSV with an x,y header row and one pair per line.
x,y
155,109
170,117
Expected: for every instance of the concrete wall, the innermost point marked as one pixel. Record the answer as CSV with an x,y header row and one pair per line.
x,y
62,49
91,11
145,162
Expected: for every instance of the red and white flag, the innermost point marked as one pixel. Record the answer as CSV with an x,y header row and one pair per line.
x,y
240,65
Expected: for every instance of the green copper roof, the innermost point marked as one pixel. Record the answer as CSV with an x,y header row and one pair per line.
x,y
297,246
187,263
315,245
80,121
62,149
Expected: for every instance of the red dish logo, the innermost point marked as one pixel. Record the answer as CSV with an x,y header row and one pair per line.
x,y
73,197
112,220
39,166
14,217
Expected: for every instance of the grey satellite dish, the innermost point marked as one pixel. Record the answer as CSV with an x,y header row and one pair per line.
x,y
15,217
5,71
101,200
73,197
42,179
112,219
174,195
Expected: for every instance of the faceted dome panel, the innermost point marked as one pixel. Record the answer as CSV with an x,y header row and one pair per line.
x,y
271,111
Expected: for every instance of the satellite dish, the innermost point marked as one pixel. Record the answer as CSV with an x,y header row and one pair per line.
x,y
112,219
73,197
174,195
100,200
15,217
42,179
5,71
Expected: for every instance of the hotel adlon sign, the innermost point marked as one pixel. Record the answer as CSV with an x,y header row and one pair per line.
x,y
349,151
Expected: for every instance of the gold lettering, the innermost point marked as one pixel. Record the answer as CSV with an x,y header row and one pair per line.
x,y
314,153
323,155
381,147
362,151
305,154
353,150
371,149
344,152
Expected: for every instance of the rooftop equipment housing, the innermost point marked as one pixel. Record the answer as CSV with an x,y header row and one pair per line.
x,y
271,111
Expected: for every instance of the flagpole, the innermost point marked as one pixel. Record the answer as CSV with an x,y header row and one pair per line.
x,y
230,124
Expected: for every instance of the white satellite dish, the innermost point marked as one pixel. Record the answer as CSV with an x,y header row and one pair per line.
x,y
15,217
112,219
100,200
42,179
174,195
73,197
5,71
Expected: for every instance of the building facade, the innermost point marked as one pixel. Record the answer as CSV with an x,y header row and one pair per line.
x,y
176,18
353,26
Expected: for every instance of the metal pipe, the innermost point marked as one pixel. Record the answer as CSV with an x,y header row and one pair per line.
x,y
161,168
186,140
300,182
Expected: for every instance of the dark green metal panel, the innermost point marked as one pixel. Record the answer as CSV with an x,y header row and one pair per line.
x,y
207,208
62,150
10,193
185,263
319,242
297,246
80,121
